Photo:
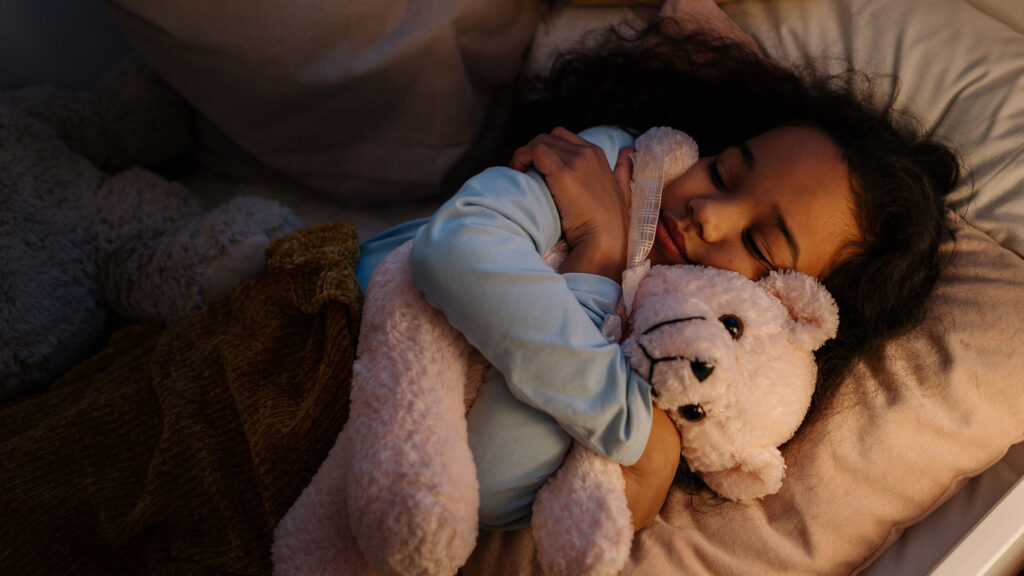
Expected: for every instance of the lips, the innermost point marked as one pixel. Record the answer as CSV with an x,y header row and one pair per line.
x,y
671,240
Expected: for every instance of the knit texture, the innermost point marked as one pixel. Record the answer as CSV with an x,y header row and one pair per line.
x,y
177,451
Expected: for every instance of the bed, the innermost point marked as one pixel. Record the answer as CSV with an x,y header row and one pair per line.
x,y
910,474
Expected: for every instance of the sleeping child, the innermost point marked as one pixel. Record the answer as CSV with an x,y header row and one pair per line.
x,y
792,178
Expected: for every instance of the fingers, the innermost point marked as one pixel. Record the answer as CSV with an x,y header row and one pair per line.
x,y
522,158
563,155
544,152
569,136
547,152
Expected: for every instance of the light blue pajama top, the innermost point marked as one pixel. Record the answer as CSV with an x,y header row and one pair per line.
x,y
555,377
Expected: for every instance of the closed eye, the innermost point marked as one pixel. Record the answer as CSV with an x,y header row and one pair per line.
x,y
716,175
751,245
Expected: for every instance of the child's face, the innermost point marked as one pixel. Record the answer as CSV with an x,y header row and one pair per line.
x,y
781,200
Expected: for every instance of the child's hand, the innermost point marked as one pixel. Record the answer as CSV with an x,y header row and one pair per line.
x,y
648,480
592,200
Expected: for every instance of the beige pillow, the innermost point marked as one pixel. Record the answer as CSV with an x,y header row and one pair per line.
x,y
933,409
366,102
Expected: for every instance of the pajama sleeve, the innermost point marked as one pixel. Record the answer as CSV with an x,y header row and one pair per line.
x,y
479,261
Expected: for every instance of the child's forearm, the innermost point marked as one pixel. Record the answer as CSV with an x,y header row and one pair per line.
x,y
649,479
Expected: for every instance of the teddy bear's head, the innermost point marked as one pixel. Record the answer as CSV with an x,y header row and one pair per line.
x,y
731,361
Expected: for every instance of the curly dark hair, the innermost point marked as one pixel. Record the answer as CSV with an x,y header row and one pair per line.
x,y
721,93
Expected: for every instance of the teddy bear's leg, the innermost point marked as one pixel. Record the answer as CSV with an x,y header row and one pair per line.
x,y
235,234
412,489
581,522
160,257
314,536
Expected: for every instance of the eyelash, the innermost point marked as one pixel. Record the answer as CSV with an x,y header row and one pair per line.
x,y
748,241
748,238
716,176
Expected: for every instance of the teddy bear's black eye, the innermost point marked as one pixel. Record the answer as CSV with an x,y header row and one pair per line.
x,y
692,412
733,325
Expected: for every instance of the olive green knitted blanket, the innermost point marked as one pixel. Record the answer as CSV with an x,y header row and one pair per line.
x,y
177,451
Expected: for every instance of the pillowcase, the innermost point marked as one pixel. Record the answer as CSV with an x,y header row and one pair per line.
x,y
924,545
934,407
1006,11
366,102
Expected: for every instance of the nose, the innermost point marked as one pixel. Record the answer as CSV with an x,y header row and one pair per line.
x,y
716,217
701,370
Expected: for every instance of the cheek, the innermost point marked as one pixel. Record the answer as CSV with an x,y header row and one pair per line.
x,y
728,256
677,194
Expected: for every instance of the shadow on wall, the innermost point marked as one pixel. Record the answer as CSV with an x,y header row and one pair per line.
x,y
68,43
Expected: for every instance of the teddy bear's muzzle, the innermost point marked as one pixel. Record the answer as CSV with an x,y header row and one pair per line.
x,y
700,369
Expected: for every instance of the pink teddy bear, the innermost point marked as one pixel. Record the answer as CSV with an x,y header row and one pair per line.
x,y
731,360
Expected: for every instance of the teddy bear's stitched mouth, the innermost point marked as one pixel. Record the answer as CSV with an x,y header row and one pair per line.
x,y
701,369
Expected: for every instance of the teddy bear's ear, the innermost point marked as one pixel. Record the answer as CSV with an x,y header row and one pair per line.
x,y
758,474
813,313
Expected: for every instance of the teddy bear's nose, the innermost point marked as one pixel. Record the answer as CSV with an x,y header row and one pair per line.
x,y
701,370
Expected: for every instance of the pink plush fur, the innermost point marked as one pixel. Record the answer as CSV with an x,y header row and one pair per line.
x,y
398,493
